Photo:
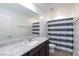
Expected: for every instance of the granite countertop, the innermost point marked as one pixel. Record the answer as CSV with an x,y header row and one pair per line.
x,y
20,48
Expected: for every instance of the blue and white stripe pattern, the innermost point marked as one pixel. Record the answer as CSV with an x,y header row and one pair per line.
x,y
35,28
60,33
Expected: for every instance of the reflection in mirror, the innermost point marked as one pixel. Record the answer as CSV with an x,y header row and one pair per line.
x,y
14,22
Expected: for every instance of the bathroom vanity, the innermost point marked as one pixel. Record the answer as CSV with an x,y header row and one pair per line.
x,y
37,47
40,50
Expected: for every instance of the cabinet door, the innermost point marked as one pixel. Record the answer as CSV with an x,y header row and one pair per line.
x,y
42,51
47,48
37,54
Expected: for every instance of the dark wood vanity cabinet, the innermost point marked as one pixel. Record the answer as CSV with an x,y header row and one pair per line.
x,y
41,50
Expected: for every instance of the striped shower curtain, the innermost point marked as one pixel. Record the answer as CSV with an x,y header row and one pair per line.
x,y
35,29
60,33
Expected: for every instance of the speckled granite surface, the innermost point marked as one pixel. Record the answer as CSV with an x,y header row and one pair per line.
x,y
20,48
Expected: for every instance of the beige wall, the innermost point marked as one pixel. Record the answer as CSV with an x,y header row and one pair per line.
x,y
63,11
76,30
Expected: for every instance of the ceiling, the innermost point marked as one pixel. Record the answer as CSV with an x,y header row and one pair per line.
x,y
18,8
44,8
41,8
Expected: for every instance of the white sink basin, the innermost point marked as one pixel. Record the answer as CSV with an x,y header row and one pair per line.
x,y
32,43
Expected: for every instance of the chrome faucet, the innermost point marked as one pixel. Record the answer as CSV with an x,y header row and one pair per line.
x,y
29,39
